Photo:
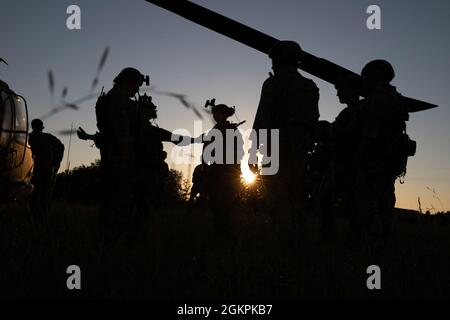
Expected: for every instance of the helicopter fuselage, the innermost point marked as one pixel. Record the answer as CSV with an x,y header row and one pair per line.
x,y
16,161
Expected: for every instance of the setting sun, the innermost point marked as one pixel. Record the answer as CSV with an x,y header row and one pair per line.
x,y
248,177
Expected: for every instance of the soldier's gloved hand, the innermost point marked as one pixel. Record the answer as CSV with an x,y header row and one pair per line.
x,y
82,134
182,140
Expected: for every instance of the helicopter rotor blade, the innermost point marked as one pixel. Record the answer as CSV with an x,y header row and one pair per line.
x,y
100,66
318,67
65,132
181,97
51,86
64,93
197,113
71,106
103,59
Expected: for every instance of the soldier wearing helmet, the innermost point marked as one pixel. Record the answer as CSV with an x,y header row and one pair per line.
x,y
221,158
338,185
48,152
380,158
377,73
150,166
285,52
289,102
132,163
115,113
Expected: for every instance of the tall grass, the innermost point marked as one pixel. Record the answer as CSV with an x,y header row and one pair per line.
x,y
178,256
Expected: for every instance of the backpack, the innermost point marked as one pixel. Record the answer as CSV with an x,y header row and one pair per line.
x,y
101,112
403,148
57,151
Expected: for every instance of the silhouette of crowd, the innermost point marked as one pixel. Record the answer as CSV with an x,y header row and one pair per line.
x,y
347,167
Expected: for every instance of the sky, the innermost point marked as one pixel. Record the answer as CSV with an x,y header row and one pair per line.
x,y
183,57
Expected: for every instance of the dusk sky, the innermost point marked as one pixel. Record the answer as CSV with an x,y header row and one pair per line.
x,y
183,57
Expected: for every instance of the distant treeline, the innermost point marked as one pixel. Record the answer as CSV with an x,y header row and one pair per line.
x,y
82,185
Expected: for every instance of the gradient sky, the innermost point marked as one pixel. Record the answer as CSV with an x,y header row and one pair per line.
x,y
183,57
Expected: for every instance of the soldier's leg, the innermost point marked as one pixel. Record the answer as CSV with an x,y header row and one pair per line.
x,y
157,193
106,189
202,198
222,203
220,206
140,200
297,185
278,206
36,198
386,206
46,197
36,205
117,207
192,196
125,206
374,216
52,186
364,207
325,199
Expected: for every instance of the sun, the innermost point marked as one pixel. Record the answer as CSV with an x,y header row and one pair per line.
x,y
248,177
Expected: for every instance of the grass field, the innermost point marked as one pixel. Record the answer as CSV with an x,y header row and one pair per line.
x,y
178,257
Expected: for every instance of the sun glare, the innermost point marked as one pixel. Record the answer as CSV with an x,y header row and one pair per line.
x,y
248,177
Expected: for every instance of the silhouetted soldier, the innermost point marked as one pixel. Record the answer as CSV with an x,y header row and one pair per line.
x,y
338,186
223,178
198,186
346,137
151,168
143,164
48,152
116,140
320,176
384,147
289,102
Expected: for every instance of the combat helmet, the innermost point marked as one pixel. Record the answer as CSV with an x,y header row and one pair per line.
x,y
286,52
378,70
129,75
224,109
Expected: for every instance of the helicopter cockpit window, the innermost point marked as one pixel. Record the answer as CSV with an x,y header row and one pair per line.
x,y
6,116
21,121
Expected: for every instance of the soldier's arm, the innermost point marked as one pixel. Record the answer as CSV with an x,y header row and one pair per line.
x,y
162,134
378,106
31,141
167,136
83,135
263,117
121,127
266,103
262,120
311,102
304,121
200,138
